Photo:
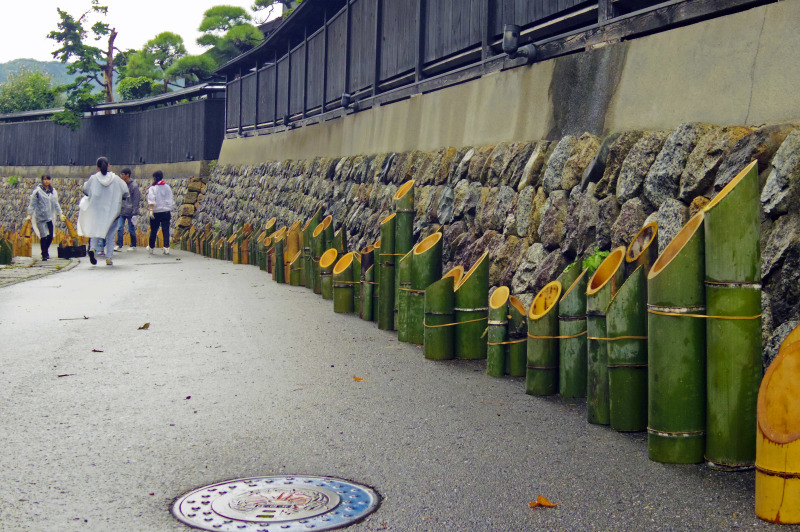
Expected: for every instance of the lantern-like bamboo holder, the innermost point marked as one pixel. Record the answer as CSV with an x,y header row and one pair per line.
x,y
294,269
472,311
497,333
426,268
326,263
572,365
439,341
343,284
542,372
643,249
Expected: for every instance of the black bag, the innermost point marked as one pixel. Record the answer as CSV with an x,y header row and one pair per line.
x,y
71,252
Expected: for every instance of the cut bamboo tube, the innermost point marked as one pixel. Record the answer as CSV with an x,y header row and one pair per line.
x,y
733,346
626,329
293,244
404,226
327,225
472,312
778,439
387,262
269,228
497,333
340,240
542,372
326,263
343,284
367,260
376,278
601,288
676,385
294,269
317,249
643,249
403,281
439,341
280,271
572,364
305,261
355,279
569,275
308,247
517,350
426,268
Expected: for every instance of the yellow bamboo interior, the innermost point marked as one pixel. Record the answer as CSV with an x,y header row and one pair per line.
x,y
296,256
318,229
574,283
472,270
545,300
328,258
641,242
270,224
499,297
403,190
343,263
730,186
791,338
605,272
427,243
328,220
517,304
457,272
677,244
367,249
387,219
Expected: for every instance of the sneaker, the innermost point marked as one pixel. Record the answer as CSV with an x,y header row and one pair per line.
x,y
131,248
166,251
117,248
109,262
91,257
149,250
101,253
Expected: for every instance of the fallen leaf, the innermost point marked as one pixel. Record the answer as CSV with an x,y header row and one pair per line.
x,y
188,396
96,351
542,502
145,326
357,379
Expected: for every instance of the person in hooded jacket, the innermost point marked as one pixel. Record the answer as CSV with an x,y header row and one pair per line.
x,y
43,206
129,211
159,204
100,208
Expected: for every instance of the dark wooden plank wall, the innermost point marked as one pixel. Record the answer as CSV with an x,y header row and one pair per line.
x,y
337,56
249,100
233,105
164,135
362,44
266,94
283,87
398,37
315,78
452,26
298,80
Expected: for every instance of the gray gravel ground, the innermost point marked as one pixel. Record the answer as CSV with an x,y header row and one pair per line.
x,y
104,425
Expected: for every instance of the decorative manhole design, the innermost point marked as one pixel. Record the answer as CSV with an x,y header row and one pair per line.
x,y
276,504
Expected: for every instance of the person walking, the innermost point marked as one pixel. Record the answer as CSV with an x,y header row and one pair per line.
x,y
99,210
128,212
42,209
159,205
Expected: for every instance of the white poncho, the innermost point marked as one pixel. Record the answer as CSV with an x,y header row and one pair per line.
x,y
101,205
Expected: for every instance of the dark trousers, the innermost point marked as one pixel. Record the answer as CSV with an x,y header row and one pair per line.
x,y
46,241
121,230
159,219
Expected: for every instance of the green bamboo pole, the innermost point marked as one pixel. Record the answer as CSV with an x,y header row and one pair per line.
x,y
472,311
517,350
327,224
343,284
569,275
426,268
308,246
733,346
626,329
305,233
387,261
294,269
542,373
274,264
497,333
326,263
403,202
356,282
601,288
403,281
292,246
439,341
280,271
340,239
367,260
376,279
317,249
643,250
572,367
676,384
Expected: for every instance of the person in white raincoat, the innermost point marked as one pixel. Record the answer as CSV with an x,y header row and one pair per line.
x,y
99,210
43,208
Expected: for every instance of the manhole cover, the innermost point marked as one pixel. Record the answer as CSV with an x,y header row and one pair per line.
x,y
273,504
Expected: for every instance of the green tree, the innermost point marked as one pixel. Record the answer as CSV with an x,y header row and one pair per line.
x,y
229,31
26,91
135,88
192,68
90,65
156,57
270,5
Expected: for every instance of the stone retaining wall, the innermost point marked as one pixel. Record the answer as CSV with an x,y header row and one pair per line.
x,y
537,206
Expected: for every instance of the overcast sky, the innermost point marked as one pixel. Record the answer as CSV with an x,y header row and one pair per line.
x,y
24,26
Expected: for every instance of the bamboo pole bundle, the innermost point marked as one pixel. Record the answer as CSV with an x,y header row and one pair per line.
x,y
626,328
356,282
517,349
542,371
403,281
376,279
367,260
294,269
733,334
386,290
778,439
317,249
676,385
472,312
439,338
572,362
343,284
601,288
326,263
643,249
279,270
426,268
497,333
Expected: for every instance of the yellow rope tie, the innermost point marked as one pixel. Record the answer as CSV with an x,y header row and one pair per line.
x,y
556,337
451,324
412,290
704,315
617,338
507,342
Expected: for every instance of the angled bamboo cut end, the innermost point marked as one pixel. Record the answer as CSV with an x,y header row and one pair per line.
x,y
296,257
328,220
677,244
545,300
427,243
344,262
307,224
270,225
472,270
294,227
730,186
328,258
318,230
367,249
457,272
641,242
404,189
606,271
516,302
377,244
388,219
499,298
778,400
575,283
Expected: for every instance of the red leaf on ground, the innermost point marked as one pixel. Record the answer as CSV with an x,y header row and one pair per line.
x,y
542,502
